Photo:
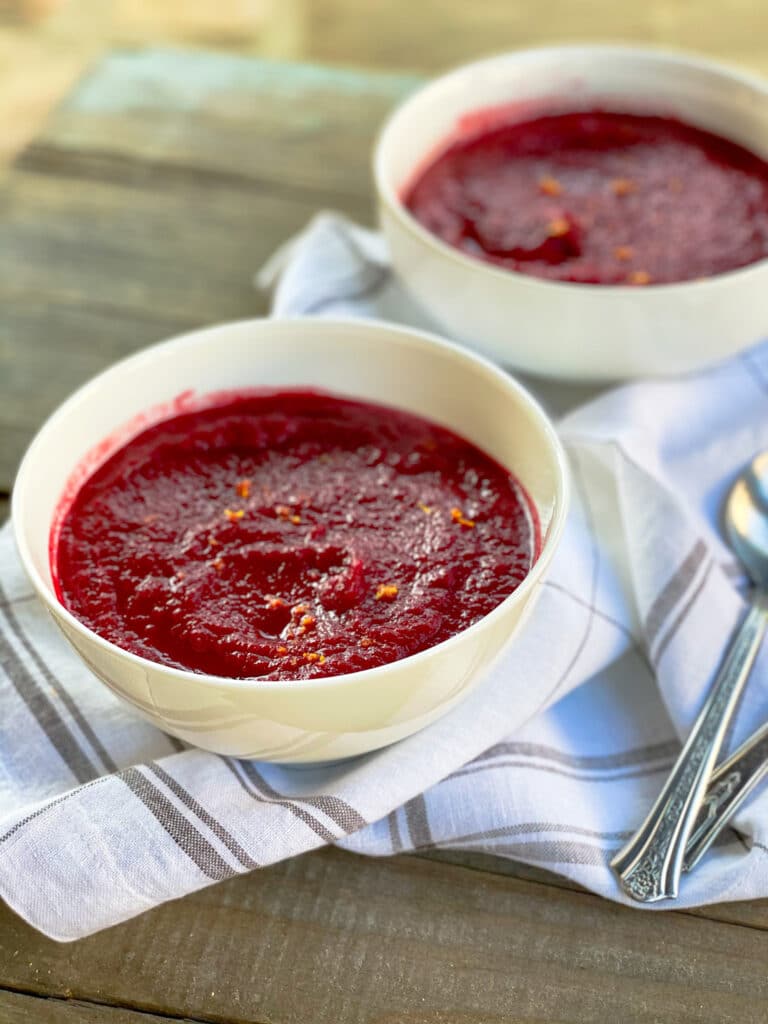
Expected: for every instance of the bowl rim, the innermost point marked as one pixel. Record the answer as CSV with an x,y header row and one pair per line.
x,y
517,392
388,195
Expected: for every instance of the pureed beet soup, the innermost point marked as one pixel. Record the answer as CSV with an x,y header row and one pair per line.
x,y
290,535
597,198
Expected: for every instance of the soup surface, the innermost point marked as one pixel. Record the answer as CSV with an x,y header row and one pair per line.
x,y
291,535
598,198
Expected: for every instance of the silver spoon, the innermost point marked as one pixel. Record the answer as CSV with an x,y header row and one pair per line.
x,y
649,866
729,787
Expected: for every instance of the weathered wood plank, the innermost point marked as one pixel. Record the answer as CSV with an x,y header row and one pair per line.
x,y
750,914
747,913
339,939
47,349
90,274
500,866
178,254
151,198
22,1008
289,127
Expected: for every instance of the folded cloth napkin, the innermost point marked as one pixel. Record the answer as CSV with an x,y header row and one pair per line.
x,y
554,758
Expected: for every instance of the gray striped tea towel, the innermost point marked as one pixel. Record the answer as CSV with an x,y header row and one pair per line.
x,y
552,760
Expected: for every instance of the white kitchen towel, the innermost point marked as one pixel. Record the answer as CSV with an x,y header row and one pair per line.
x,y
552,760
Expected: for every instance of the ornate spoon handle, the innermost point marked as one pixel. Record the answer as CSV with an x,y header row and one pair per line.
x,y
649,866
731,784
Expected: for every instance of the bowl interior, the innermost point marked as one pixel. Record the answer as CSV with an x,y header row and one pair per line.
x,y
370,361
519,86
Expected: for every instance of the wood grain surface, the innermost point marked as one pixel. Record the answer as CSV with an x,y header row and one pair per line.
x,y
333,938
23,1008
143,209
46,44
150,199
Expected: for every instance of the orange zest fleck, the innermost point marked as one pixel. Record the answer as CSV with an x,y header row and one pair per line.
x,y
218,564
299,609
623,253
282,650
212,542
275,602
550,186
244,488
386,592
426,509
366,642
558,227
306,622
458,517
286,513
639,277
234,514
623,186
315,657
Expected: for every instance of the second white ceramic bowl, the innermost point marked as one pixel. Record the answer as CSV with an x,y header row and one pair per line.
x,y
587,332
309,720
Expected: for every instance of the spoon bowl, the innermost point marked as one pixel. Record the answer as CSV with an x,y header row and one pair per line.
x,y
746,519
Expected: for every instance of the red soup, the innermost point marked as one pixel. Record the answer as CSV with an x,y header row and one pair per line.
x,y
598,198
291,535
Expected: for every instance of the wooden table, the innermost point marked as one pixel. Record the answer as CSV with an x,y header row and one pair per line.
x,y
143,209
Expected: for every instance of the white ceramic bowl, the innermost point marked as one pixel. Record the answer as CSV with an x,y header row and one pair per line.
x,y
311,720
588,332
